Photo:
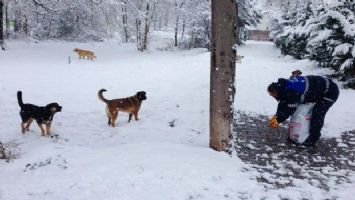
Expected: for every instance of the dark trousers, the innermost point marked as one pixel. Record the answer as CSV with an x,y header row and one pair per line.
x,y
321,108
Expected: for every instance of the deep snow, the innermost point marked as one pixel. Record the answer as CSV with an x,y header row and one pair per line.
x,y
145,159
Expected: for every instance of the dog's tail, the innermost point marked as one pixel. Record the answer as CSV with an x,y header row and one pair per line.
x,y
101,97
19,99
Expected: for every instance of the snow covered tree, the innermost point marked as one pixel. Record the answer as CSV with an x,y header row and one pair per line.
x,y
196,24
198,21
224,38
178,5
324,34
248,16
332,42
200,25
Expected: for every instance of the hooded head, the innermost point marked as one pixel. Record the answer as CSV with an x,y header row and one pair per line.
x,y
274,90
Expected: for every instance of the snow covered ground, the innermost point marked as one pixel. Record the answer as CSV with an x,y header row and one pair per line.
x,y
145,159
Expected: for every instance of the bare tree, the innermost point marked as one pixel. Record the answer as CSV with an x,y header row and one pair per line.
x,y
7,21
1,25
125,20
178,6
146,28
222,90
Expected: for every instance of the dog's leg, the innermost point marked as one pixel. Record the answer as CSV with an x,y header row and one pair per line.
x,y
114,117
108,114
48,128
23,129
136,115
130,117
42,129
29,121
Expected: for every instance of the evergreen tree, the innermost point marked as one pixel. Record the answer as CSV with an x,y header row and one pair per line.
x,y
326,35
248,16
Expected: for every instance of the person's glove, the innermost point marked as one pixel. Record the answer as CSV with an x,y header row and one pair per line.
x,y
273,123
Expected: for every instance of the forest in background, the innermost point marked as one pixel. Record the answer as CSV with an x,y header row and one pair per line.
x,y
123,20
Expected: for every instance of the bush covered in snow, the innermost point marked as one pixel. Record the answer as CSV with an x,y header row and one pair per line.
x,y
325,35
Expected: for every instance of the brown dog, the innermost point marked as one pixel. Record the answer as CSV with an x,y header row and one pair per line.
x,y
130,104
84,53
296,73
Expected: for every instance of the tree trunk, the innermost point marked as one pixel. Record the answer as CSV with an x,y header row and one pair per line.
x,y
17,21
1,25
176,31
25,26
222,90
124,20
7,22
138,33
183,27
146,29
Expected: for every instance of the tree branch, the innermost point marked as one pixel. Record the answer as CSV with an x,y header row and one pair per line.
x,y
40,4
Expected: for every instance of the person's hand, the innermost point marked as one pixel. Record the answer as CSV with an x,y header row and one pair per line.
x,y
273,123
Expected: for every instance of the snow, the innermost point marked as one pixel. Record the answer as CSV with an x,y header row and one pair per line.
x,y
347,63
349,29
145,159
321,36
342,49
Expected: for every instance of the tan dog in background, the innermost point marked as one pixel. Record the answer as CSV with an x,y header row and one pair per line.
x,y
238,58
130,104
84,53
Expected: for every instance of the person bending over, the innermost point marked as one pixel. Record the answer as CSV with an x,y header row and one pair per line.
x,y
319,90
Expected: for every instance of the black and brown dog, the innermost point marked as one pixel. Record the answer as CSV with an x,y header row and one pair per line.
x,y
130,104
42,115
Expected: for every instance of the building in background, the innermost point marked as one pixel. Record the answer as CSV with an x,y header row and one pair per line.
x,y
269,8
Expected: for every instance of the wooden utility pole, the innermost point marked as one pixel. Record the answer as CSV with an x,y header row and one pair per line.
x,y
223,53
1,25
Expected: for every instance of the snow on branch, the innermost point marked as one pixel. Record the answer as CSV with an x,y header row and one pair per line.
x,y
40,4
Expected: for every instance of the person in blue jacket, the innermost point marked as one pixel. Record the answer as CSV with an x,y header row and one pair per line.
x,y
304,89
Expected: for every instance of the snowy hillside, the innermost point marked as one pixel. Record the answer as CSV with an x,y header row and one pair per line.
x,y
165,154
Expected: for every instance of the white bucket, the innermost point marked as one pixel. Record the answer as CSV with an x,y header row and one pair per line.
x,y
298,128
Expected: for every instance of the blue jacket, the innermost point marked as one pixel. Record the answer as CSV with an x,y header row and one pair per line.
x,y
299,90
